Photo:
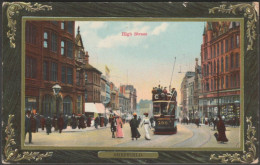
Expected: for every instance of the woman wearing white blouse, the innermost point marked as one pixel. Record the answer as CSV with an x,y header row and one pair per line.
x,y
147,125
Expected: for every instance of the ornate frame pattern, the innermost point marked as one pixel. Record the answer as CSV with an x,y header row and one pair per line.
x,y
13,8
249,12
249,156
13,155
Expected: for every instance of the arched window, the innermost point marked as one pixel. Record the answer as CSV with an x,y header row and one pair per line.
x,y
214,66
215,84
211,85
232,60
238,80
222,47
218,66
211,70
222,64
45,42
47,106
226,82
226,64
218,49
231,81
214,50
237,60
237,39
235,80
67,105
226,46
211,51
222,82
207,69
79,103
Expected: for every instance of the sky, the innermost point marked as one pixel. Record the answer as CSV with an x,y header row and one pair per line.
x,y
143,61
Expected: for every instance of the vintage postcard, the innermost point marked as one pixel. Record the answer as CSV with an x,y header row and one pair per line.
x,y
168,82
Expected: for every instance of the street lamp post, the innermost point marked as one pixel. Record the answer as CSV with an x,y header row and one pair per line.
x,y
56,89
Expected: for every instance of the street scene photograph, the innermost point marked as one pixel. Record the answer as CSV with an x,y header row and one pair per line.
x,y
139,84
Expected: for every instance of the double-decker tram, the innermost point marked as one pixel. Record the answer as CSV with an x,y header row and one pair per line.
x,y
164,111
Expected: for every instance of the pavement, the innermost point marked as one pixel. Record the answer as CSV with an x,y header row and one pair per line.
x,y
188,136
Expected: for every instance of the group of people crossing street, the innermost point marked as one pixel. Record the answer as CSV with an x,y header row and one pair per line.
x,y
117,126
34,122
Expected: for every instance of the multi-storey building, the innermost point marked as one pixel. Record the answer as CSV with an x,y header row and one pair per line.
x,y
93,82
190,96
131,92
184,95
114,94
220,62
49,61
130,95
103,89
80,62
197,89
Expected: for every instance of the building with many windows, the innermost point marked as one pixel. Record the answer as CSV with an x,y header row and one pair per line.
x,y
130,95
220,62
49,61
93,84
184,105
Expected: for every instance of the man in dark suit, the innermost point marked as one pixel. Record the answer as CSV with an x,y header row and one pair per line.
x,y
113,126
48,125
28,125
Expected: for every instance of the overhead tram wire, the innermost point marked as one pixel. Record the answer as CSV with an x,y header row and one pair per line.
x,y
172,73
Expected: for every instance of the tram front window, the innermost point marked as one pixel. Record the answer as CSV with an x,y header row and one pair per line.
x,y
171,112
164,110
156,110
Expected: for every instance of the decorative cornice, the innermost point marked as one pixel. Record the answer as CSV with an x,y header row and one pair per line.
x,y
248,156
249,12
13,155
12,9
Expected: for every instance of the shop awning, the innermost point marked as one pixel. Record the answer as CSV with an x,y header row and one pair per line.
x,y
100,107
107,111
91,107
117,113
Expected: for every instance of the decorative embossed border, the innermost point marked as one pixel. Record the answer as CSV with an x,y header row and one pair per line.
x,y
246,9
13,155
12,9
249,12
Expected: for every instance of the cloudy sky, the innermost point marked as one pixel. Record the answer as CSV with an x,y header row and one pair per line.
x,y
143,61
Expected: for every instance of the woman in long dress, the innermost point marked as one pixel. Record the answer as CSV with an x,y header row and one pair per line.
x,y
147,125
119,126
221,137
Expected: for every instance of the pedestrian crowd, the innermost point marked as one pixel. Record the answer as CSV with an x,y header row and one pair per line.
x,y
34,122
117,126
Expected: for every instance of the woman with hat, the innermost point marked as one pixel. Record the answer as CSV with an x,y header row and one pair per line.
x,y
119,127
221,136
147,125
134,125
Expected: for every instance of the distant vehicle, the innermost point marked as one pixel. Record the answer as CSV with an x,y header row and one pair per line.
x,y
164,111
